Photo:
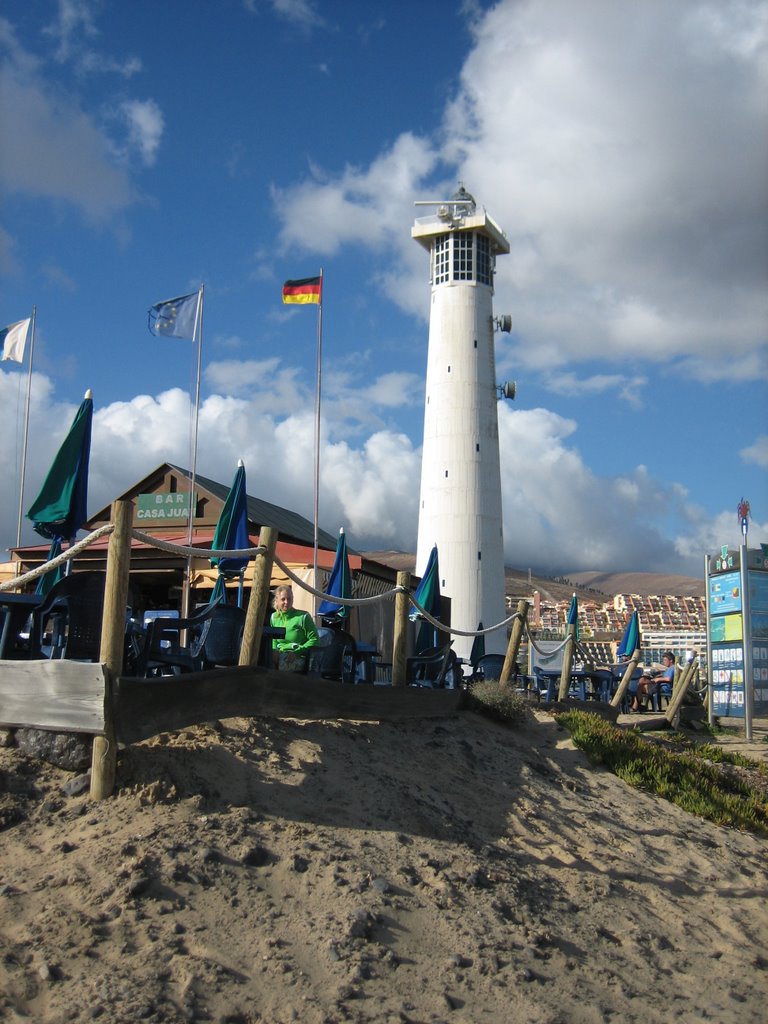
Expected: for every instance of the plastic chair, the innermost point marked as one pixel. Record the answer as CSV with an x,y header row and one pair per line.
x,y
71,618
216,635
436,667
335,659
489,666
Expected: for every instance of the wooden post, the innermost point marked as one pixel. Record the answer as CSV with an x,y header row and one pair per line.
x,y
257,606
565,675
515,638
104,755
679,690
626,679
400,638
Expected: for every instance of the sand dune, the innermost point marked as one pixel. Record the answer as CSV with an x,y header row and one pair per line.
x,y
452,870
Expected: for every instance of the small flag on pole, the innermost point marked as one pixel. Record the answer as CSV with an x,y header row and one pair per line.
x,y
307,289
14,339
175,318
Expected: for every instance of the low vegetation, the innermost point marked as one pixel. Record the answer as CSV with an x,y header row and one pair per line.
x,y
503,703
694,777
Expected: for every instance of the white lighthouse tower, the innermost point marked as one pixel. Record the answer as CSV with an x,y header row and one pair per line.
x,y
460,502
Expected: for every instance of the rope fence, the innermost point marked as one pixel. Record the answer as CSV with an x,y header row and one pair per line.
x,y
250,553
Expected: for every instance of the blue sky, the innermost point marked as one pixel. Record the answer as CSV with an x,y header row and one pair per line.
x,y
149,147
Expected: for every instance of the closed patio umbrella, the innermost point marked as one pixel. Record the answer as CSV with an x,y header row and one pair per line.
x,y
631,639
232,535
428,595
339,582
573,616
50,578
60,508
478,647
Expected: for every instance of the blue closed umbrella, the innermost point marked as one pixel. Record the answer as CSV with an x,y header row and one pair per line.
x,y
573,616
61,507
339,582
232,535
631,641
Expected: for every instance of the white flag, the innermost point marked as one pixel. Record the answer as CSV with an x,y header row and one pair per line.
x,y
14,339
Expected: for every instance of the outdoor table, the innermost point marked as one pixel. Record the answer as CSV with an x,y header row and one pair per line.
x,y
579,680
15,610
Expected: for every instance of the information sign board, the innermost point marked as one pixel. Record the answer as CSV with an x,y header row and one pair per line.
x,y
737,634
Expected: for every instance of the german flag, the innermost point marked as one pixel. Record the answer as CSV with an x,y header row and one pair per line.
x,y
305,290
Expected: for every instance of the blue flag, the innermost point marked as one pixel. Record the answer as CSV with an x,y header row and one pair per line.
x,y
175,318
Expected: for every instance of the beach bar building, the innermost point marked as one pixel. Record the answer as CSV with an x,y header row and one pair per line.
x,y
162,505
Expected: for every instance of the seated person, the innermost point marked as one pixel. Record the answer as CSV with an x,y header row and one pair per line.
x,y
290,652
648,685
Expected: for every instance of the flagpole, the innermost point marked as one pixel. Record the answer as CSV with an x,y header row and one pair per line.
x,y
199,337
26,427
316,494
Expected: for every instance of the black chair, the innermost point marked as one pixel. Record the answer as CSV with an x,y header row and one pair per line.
x,y
215,635
336,657
68,622
435,667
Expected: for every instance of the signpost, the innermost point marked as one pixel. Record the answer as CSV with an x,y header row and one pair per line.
x,y
737,629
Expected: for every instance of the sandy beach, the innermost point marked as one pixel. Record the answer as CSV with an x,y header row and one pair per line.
x,y
445,870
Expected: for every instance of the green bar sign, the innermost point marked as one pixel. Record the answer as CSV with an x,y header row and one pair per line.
x,y
163,507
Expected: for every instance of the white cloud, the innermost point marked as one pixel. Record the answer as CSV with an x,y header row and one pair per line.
x,y
633,236
361,207
72,30
145,128
558,515
303,14
57,152
757,452
631,389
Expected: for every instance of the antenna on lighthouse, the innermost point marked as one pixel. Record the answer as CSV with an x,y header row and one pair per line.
x,y
507,390
503,323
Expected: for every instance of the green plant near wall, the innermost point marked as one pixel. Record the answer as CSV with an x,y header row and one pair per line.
x,y
685,778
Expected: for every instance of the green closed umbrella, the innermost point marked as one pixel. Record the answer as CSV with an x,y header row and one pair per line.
x,y
52,577
478,647
428,595
61,507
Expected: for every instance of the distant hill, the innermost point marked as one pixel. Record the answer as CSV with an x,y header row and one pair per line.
x,y
643,583
595,586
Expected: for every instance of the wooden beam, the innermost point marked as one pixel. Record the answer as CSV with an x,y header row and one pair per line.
x,y
63,696
259,599
516,635
112,652
146,707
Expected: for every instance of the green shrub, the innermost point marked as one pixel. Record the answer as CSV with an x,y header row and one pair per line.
x,y
686,779
498,701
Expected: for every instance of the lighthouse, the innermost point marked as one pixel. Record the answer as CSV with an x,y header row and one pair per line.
x,y
460,499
